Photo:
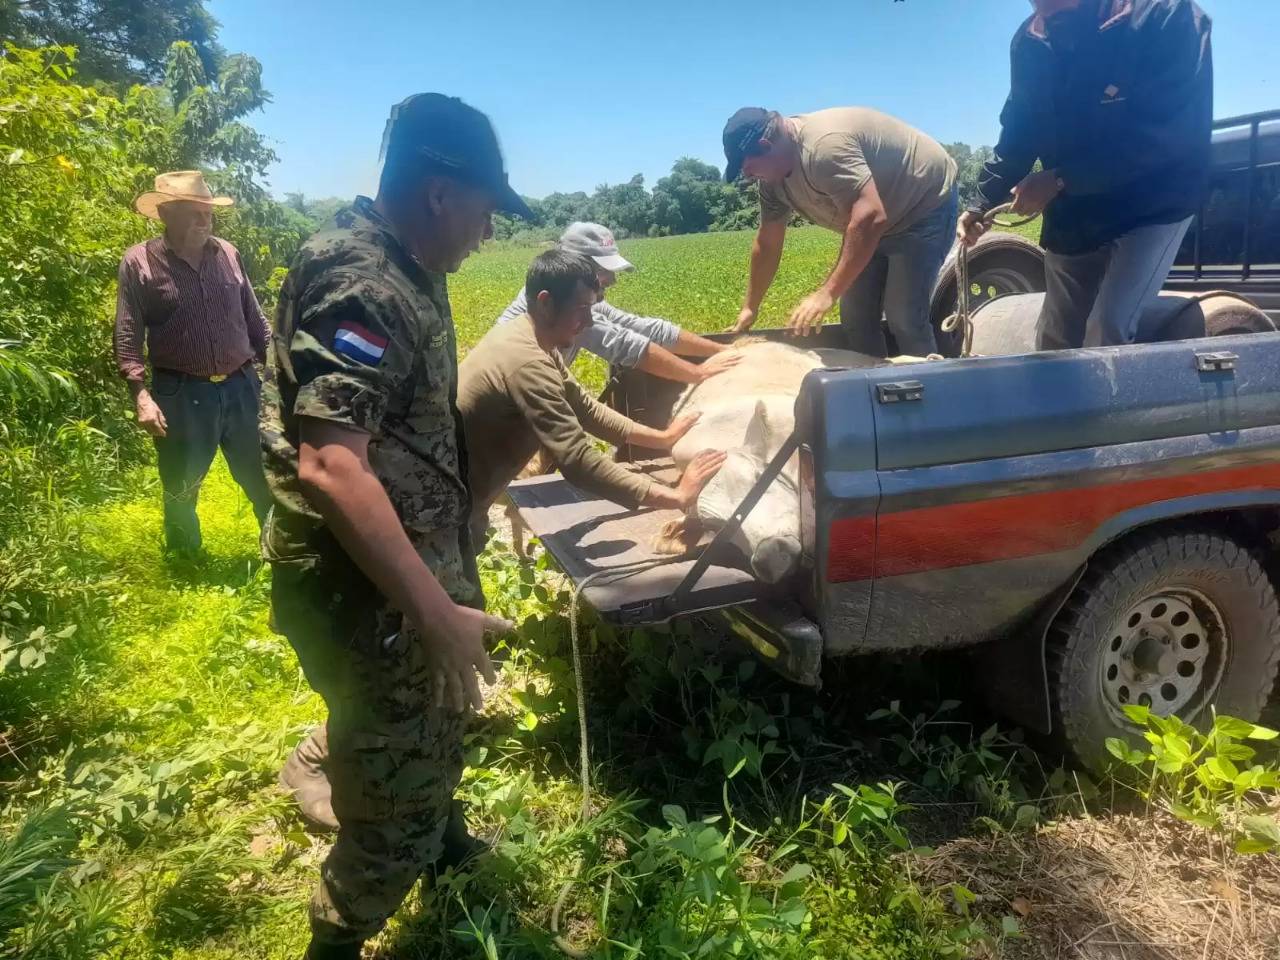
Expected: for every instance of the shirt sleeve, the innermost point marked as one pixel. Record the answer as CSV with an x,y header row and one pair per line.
x,y
655,329
539,391
598,420
129,329
773,206
352,351
254,319
613,343
1015,152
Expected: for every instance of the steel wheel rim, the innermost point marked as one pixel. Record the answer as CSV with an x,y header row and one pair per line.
x,y
1166,652
994,282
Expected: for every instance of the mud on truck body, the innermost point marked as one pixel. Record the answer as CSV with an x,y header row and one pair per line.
x,y
1096,525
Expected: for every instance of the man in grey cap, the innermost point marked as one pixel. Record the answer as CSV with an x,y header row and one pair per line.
x,y
651,344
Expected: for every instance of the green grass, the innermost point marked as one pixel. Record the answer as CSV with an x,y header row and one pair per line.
x,y
186,704
697,281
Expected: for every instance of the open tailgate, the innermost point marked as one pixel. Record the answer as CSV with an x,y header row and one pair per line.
x,y
588,536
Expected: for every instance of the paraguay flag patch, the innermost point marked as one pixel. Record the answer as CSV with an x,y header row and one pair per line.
x,y
361,345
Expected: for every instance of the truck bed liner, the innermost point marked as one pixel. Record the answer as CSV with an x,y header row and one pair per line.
x,y
590,536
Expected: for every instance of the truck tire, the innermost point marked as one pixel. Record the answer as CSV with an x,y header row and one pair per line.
x,y
999,264
1178,620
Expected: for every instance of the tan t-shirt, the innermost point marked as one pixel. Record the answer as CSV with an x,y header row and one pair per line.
x,y
840,149
515,397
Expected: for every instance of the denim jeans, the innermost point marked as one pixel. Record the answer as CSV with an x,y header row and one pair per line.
x,y
897,285
200,418
1096,299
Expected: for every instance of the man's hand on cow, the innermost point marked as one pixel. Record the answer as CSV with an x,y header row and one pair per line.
x,y
679,427
456,651
971,227
150,417
696,475
746,320
1036,192
718,363
807,317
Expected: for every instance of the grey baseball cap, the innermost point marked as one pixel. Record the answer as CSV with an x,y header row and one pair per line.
x,y
596,241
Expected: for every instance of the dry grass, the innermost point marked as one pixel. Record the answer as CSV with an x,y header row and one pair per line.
x,y
1124,887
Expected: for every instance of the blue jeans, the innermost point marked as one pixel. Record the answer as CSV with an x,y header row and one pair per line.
x,y
200,418
897,285
1095,299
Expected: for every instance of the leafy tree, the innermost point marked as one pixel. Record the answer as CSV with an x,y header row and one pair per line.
x,y
625,207
120,41
316,212
685,199
72,159
969,162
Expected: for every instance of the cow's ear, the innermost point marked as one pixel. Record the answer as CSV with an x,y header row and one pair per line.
x,y
757,438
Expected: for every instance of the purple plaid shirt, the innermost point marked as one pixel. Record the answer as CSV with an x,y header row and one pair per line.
x,y
200,322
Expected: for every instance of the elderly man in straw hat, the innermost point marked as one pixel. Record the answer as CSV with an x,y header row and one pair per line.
x,y
184,299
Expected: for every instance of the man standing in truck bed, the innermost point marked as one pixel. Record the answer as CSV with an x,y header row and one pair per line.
x,y
1115,99
887,188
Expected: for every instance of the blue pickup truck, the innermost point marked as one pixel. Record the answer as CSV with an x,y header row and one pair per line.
x,y
1096,525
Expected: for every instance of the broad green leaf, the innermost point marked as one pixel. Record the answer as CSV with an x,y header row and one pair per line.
x,y
799,872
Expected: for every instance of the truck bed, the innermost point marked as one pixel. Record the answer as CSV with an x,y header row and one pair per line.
x,y
592,538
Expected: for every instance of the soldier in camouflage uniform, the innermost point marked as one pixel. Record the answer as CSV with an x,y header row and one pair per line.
x,y
374,580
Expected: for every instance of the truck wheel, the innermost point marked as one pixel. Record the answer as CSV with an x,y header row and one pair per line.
x,y
1176,621
999,264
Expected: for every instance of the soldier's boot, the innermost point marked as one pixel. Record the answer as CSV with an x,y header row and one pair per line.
x,y
460,846
304,776
333,951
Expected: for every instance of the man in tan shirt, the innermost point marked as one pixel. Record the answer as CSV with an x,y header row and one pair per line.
x,y
516,395
886,188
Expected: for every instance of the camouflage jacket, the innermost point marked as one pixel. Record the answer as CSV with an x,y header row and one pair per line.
x,y
364,337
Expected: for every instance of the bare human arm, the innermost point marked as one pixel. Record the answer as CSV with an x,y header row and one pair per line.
x,y
766,254
867,222
335,476
661,362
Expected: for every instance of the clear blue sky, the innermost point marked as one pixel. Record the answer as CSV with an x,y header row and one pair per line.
x,y
585,94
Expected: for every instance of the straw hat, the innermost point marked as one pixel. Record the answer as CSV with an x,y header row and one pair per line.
x,y
186,185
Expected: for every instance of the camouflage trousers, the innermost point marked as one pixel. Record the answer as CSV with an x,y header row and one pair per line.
x,y
395,756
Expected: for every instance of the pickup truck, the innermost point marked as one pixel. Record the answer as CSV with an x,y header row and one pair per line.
x,y
1095,525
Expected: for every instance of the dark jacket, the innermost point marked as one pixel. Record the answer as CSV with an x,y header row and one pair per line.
x,y
1118,98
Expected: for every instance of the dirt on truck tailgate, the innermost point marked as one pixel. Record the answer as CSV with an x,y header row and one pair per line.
x,y
591,537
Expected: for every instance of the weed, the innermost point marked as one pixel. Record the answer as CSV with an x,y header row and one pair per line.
x,y
1211,778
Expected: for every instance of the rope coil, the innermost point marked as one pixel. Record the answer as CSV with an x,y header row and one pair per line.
x,y
963,317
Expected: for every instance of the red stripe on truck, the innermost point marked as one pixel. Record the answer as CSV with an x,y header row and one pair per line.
x,y
1007,528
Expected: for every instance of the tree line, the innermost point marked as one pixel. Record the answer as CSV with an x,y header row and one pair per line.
x,y
692,198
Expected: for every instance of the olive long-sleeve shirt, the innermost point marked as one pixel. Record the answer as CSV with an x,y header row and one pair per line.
x,y
516,397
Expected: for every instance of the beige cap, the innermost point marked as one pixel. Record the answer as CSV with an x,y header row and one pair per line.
x,y
186,185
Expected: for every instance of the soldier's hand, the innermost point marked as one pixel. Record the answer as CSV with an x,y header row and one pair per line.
x,y
150,417
456,646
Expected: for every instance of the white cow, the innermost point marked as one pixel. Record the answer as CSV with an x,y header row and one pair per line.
x,y
749,412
